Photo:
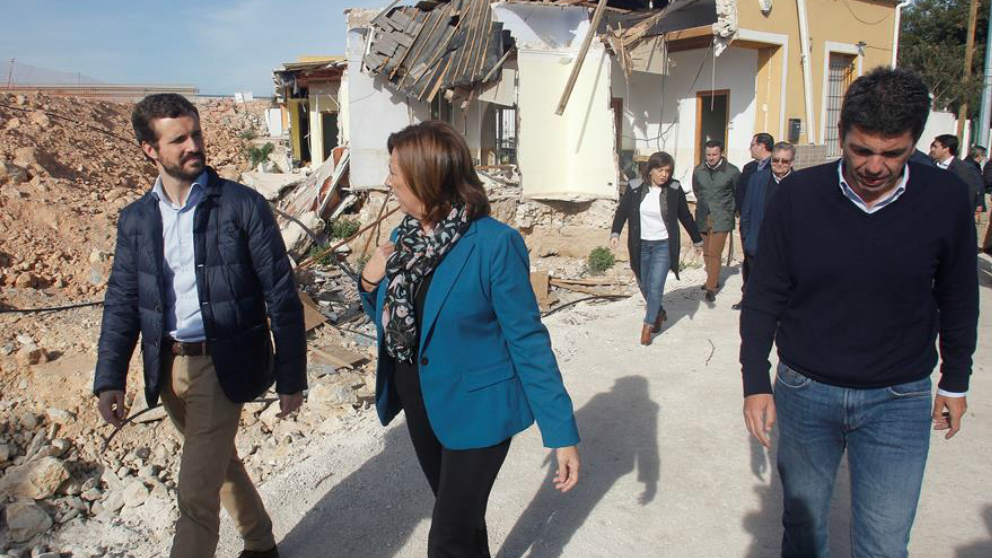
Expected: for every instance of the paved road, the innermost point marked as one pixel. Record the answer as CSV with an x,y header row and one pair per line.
x,y
668,468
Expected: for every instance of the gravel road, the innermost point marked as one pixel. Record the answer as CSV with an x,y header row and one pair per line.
x,y
668,468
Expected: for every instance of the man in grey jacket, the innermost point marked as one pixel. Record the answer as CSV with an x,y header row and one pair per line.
x,y
713,183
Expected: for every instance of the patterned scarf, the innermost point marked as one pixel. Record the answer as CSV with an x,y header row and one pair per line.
x,y
417,254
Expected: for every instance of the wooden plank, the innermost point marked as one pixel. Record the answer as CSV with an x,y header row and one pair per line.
x,y
589,290
378,19
339,356
312,318
541,285
429,26
587,282
574,76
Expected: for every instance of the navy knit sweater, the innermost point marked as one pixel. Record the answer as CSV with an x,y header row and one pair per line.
x,y
853,299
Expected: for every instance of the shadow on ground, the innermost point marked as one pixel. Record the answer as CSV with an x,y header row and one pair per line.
x,y
374,510
370,513
982,548
621,429
984,272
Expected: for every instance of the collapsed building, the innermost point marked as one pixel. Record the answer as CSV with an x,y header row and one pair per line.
x,y
557,98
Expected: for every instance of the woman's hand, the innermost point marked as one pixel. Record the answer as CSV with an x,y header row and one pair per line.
x,y
375,268
568,468
614,242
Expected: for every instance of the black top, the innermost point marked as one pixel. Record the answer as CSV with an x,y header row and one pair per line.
x,y
852,299
402,366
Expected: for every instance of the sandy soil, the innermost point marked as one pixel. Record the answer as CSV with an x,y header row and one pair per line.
x,y
668,468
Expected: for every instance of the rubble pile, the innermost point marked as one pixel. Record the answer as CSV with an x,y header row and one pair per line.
x,y
64,489
67,167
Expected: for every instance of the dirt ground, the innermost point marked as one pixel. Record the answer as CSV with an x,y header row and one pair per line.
x,y
668,468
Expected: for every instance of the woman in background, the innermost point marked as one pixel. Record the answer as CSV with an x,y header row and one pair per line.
x,y
462,350
652,211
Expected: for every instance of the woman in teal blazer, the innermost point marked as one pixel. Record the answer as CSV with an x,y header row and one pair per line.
x,y
462,350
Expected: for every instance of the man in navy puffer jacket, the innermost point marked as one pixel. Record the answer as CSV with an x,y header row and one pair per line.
x,y
200,271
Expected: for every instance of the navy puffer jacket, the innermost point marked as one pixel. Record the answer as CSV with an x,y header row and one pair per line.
x,y
241,271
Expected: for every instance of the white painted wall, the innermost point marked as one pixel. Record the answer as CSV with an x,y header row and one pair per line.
x,y
568,157
942,123
273,121
660,111
375,111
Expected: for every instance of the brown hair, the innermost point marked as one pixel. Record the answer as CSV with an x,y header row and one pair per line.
x,y
437,166
656,160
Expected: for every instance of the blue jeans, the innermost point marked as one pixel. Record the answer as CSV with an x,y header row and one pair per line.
x,y
886,432
654,271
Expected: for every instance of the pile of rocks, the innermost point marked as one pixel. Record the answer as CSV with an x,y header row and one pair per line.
x,y
68,166
62,491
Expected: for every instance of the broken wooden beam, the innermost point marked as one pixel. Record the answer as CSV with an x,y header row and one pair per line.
x,y
574,76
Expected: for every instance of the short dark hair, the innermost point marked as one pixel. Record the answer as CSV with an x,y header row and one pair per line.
x,y
950,141
437,165
766,139
658,159
714,143
886,101
160,105
977,151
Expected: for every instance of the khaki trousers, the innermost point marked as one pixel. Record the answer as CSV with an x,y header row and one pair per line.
x,y
210,472
713,243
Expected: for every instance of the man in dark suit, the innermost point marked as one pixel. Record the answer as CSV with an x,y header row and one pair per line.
x,y
200,272
761,153
944,152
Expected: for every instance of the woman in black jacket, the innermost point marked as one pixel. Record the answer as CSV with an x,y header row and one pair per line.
x,y
651,210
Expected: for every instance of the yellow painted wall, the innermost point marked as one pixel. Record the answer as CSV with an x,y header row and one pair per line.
x,y
841,21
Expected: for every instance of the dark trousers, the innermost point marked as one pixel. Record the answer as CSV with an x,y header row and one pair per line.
x,y
746,269
460,479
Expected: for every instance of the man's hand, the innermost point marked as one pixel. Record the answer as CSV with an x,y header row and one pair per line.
x,y
947,413
111,406
289,403
614,242
567,474
759,416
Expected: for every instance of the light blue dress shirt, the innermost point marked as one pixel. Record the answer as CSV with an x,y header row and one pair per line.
x,y
183,320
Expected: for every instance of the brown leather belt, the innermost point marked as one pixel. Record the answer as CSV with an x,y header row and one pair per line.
x,y
180,348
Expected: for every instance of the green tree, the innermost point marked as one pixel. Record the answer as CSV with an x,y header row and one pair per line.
x,y
932,42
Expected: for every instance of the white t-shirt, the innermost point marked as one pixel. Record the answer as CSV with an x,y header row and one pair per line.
x,y
652,225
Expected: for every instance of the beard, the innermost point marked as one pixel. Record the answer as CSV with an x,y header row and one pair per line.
x,y
187,169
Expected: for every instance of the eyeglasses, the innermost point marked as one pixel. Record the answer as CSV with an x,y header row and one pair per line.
x,y
775,160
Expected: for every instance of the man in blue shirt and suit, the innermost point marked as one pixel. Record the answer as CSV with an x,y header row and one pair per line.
x,y
200,271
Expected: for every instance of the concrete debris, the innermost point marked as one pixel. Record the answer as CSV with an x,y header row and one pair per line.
x,y
37,479
25,520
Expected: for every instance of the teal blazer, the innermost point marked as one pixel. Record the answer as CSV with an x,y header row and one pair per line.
x,y
485,359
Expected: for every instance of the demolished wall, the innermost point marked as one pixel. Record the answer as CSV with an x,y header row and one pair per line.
x,y
374,110
568,157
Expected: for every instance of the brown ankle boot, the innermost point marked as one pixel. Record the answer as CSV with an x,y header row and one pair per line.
x,y
646,334
658,321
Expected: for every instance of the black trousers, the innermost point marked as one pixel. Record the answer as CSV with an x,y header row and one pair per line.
x,y
460,479
746,269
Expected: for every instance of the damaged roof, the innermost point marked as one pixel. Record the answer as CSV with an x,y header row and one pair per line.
x,y
437,45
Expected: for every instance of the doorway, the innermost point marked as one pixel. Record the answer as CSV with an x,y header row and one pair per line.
x,y
712,118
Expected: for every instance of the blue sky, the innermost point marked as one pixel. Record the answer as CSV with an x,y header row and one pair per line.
x,y
219,46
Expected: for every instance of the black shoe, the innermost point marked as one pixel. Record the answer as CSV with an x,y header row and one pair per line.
x,y
270,553
710,296
736,306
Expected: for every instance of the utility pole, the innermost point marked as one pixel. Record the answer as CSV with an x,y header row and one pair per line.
x,y
10,73
966,78
986,113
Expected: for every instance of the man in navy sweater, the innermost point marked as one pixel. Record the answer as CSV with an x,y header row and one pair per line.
x,y
858,260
